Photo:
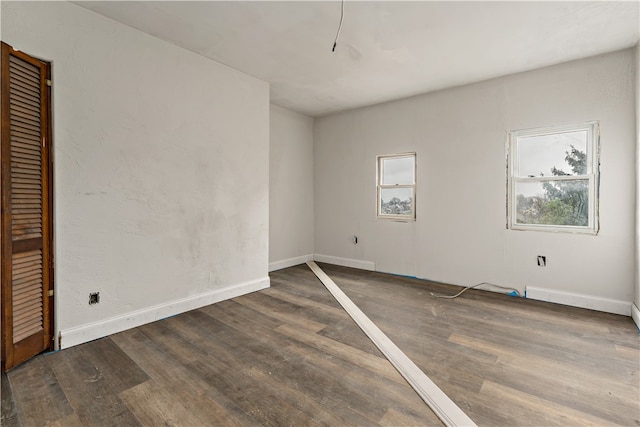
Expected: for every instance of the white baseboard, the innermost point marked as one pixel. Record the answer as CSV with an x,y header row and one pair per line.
x,y
635,315
579,300
95,330
289,262
345,262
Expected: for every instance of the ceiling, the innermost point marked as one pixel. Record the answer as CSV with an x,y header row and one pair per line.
x,y
387,49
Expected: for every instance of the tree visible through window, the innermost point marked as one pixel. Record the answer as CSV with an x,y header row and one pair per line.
x,y
552,178
397,186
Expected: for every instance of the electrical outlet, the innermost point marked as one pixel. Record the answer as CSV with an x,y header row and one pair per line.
x,y
94,298
355,240
542,261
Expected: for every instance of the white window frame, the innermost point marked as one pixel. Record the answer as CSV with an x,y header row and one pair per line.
x,y
381,187
592,176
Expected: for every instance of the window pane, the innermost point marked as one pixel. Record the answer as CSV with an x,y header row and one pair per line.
x,y
398,171
396,201
552,155
553,202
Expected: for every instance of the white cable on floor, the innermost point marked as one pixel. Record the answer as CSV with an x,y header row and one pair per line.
x,y
473,287
445,408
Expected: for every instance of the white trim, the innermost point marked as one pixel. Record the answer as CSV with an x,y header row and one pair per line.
x,y
635,315
289,262
102,328
579,300
592,174
445,408
345,262
380,186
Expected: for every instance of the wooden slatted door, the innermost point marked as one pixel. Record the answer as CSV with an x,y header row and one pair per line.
x,y
26,215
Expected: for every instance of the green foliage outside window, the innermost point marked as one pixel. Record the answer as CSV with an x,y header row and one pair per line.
x,y
562,202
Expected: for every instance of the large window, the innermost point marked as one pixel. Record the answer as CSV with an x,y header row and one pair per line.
x,y
397,186
553,178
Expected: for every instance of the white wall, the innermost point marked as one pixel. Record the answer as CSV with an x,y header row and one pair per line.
x,y
290,188
636,308
161,183
459,136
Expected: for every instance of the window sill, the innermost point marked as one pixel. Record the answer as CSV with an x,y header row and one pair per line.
x,y
554,229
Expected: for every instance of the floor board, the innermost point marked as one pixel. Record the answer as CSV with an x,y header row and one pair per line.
x,y
289,355
505,360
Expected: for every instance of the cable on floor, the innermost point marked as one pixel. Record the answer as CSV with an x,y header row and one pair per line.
x,y
476,286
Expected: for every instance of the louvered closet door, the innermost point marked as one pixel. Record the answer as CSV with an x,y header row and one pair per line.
x,y
26,324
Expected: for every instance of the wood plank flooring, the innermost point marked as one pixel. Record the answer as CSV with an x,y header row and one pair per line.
x,y
289,355
504,360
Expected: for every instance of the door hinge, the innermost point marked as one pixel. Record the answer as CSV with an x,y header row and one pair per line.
x,y
50,293
48,82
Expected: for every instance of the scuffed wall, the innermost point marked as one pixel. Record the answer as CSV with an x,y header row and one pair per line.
x,y
161,183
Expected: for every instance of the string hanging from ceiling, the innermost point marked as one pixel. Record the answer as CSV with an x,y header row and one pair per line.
x,y
335,42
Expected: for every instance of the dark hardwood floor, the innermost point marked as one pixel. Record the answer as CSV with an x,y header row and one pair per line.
x,y
289,355
508,361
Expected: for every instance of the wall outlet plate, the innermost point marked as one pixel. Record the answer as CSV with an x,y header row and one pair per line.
x,y
542,261
94,298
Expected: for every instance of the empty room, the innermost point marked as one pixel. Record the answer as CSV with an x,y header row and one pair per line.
x,y
341,213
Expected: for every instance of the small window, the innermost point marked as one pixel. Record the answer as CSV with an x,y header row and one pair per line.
x,y
553,178
397,186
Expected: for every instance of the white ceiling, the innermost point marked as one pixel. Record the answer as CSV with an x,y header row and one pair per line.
x,y
387,49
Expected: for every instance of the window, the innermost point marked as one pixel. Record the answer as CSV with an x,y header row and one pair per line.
x,y
553,178
397,186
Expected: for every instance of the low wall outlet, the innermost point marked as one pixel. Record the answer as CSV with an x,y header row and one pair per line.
x,y
542,261
355,240
94,298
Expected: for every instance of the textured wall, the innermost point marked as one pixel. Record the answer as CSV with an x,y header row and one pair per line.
x,y
637,259
161,183
290,185
459,136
